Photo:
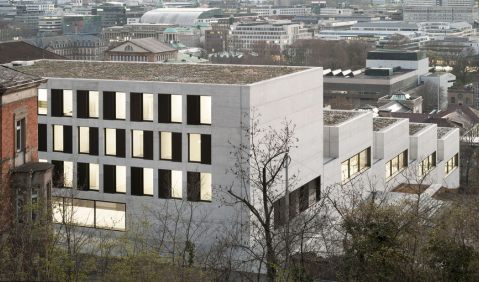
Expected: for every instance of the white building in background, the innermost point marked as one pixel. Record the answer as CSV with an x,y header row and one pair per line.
x,y
440,14
439,30
335,11
282,11
243,35
439,3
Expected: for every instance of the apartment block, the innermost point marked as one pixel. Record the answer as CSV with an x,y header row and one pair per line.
x,y
126,139
440,14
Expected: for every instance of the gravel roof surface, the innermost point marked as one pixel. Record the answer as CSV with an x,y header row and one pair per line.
x,y
441,131
416,127
337,117
186,73
381,123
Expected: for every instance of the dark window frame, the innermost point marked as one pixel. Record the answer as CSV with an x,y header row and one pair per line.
x,y
205,148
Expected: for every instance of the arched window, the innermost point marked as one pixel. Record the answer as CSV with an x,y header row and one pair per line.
x,y
453,100
459,96
468,101
128,48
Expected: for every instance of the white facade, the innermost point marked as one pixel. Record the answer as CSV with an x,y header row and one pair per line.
x,y
282,11
335,11
439,30
442,79
439,14
361,132
242,36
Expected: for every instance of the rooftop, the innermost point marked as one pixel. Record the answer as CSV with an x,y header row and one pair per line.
x,y
32,167
22,51
332,118
441,131
362,75
14,79
416,127
185,73
382,123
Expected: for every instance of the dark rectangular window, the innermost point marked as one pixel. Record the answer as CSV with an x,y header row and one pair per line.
x,y
198,109
396,164
199,148
355,165
299,200
114,179
62,103
88,140
142,144
170,146
20,136
199,186
427,164
141,181
114,105
88,176
115,142
169,108
170,184
62,138
451,164
42,137
63,174
141,107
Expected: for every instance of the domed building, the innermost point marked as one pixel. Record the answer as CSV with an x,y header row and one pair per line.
x,y
184,17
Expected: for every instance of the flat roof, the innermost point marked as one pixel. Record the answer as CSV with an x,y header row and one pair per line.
x,y
442,131
365,76
184,73
382,123
416,127
334,117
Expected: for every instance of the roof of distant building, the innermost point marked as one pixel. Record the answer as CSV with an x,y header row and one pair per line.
x,y
336,117
151,44
185,73
382,123
186,58
388,24
170,30
414,128
10,79
22,51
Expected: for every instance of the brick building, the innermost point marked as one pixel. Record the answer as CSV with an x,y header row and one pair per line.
x,y
22,176
142,50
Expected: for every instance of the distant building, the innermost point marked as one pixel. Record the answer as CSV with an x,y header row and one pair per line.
x,y
283,10
313,19
387,26
243,35
438,2
23,51
81,24
411,102
73,47
452,45
50,24
183,17
439,30
416,38
142,50
440,14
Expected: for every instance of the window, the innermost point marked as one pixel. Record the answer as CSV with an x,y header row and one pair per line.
x,y
141,181
354,165
62,138
427,164
170,146
299,200
198,109
169,108
20,136
170,184
396,164
128,48
199,148
42,101
88,140
114,179
199,186
453,100
141,107
87,213
468,101
63,174
142,144
451,165
114,105
87,104
115,142
62,103
88,176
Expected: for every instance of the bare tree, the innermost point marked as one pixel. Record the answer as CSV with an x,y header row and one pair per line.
x,y
398,41
429,93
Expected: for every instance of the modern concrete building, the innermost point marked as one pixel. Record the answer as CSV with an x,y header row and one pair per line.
x,y
387,26
412,104
381,153
440,14
438,2
243,35
441,30
183,17
121,129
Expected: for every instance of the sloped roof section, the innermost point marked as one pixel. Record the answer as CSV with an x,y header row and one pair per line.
x,y
12,79
22,51
151,44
